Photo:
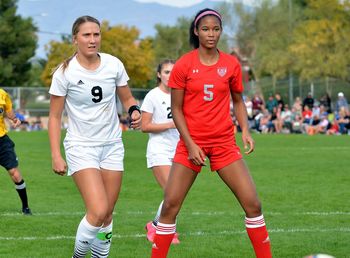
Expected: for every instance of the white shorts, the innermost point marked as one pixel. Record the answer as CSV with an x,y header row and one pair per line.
x,y
107,157
159,160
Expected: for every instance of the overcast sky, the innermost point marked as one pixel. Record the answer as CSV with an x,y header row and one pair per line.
x,y
183,3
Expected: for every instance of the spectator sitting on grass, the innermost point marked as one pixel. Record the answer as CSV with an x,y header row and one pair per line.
x,y
37,124
321,127
334,128
297,124
307,115
343,119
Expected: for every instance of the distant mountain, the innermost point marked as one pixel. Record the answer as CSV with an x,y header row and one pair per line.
x,y
55,17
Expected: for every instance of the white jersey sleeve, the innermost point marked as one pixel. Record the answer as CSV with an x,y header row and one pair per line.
x,y
148,104
123,78
59,83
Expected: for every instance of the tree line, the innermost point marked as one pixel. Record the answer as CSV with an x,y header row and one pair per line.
x,y
309,38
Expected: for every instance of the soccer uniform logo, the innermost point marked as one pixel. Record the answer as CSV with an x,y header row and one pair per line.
x,y
222,71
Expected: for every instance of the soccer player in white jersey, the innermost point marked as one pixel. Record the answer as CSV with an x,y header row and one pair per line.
x,y
157,120
86,85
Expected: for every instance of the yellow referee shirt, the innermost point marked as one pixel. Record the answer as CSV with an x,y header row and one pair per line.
x,y
5,107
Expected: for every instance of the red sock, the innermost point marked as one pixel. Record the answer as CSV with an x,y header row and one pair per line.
x,y
162,240
259,237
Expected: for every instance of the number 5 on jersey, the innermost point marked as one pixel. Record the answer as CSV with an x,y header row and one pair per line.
x,y
208,94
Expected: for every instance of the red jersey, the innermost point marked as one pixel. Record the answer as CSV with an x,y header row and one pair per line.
x,y
207,96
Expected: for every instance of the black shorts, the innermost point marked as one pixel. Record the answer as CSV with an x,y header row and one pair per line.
x,y
8,158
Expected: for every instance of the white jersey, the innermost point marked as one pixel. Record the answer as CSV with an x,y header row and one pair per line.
x,y
157,103
91,100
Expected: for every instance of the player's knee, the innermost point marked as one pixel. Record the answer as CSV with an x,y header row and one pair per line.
x,y
254,209
98,215
108,218
15,175
170,208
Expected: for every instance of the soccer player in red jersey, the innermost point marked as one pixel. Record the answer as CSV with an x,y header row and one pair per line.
x,y
203,82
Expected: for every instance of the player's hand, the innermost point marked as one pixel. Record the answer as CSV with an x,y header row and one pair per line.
x,y
135,120
59,166
196,155
16,122
248,142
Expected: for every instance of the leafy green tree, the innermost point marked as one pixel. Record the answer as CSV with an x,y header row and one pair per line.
x,y
35,72
239,24
121,41
264,34
17,45
171,42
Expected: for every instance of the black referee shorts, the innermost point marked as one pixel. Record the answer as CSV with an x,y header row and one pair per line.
x,y
8,158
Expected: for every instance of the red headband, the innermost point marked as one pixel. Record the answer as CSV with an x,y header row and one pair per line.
x,y
206,13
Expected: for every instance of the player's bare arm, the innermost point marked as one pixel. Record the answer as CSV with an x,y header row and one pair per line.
x,y
241,115
147,126
59,166
195,153
12,117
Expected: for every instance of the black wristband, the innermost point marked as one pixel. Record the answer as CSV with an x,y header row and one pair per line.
x,y
133,108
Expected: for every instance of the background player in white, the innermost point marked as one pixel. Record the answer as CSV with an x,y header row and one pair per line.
x,y
86,86
157,120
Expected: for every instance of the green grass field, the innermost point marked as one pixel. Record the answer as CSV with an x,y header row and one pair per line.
x,y
303,183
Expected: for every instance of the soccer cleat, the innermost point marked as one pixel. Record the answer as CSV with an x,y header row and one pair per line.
x,y
151,231
175,240
26,211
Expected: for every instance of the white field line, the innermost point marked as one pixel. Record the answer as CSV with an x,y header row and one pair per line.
x,y
313,148
196,213
199,233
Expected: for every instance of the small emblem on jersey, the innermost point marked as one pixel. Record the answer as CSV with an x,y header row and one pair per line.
x,y
222,71
80,82
163,103
195,71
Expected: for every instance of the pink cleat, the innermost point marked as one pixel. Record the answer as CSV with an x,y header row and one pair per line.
x,y
151,231
175,240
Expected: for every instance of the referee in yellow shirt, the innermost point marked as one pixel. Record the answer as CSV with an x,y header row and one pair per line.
x,y
8,158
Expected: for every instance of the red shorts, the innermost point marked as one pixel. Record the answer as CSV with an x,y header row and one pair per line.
x,y
219,156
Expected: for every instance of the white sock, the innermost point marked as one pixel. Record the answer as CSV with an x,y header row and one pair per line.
x,y
102,242
156,218
86,233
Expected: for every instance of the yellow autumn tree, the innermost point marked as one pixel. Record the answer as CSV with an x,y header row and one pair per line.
x,y
322,41
57,52
120,41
